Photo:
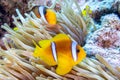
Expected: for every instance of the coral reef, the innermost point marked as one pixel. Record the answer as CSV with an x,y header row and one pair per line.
x,y
111,20
106,41
103,7
8,9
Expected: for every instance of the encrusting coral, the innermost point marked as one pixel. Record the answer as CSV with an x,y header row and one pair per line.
x,y
102,7
106,41
17,62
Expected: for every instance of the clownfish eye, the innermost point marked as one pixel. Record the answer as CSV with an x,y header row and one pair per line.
x,y
77,50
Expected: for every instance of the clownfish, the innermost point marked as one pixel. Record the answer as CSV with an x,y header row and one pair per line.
x,y
60,51
43,11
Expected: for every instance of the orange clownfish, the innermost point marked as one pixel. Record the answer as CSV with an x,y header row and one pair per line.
x,y
43,11
60,51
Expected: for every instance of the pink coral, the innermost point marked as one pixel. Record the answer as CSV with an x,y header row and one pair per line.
x,y
111,20
106,41
108,38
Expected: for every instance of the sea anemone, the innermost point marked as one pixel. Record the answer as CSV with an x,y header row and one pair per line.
x,y
20,65
70,22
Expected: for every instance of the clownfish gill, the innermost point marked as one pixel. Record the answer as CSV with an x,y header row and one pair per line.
x,y
54,51
74,52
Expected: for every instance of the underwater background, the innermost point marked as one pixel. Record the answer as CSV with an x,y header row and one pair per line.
x,y
93,24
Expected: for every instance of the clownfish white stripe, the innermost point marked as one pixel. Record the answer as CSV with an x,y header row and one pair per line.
x,y
54,51
41,12
74,53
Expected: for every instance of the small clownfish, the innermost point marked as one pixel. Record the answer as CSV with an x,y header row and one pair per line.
x,y
60,51
86,11
49,14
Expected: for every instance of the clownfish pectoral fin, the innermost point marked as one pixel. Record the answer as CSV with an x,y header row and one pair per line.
x,y
44,43
60,37
37,50
63,69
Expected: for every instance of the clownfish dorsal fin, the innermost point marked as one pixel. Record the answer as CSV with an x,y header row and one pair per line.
x,y
44,43
60,37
